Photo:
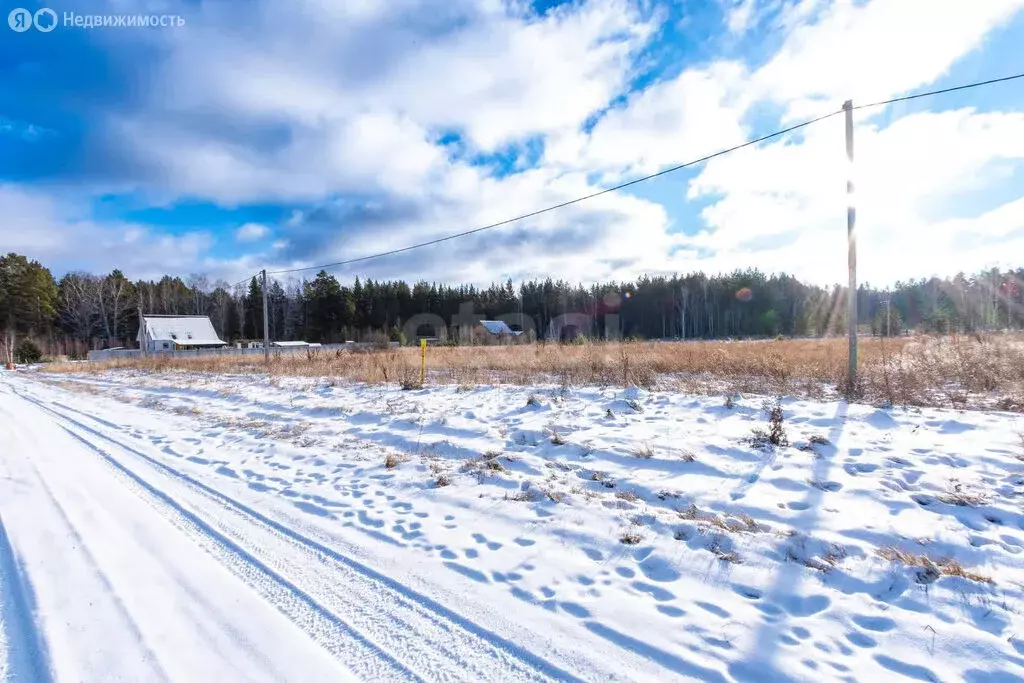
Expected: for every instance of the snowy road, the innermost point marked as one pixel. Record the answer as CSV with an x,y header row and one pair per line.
x,y
117,567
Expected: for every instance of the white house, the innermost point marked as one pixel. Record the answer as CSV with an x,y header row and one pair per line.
x,y
177,332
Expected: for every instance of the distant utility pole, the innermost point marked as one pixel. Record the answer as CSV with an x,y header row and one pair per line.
x,y
851,238
266,321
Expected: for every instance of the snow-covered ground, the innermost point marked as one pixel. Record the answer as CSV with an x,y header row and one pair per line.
x,y
193,527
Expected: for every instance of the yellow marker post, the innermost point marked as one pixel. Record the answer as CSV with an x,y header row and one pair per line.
x,y
423,361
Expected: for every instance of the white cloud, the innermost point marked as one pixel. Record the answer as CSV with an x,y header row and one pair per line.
x,y
250,232
874,50
740,16
46,229
794,194
494,72
610,236
694,114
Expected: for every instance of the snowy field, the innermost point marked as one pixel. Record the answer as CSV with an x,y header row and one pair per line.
x,y
190,527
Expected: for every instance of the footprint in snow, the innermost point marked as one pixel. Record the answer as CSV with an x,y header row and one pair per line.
x,y
713,609
575,610
656,592
874,623
468,572
747,592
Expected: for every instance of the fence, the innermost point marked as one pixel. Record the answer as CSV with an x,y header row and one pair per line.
x,y
117,354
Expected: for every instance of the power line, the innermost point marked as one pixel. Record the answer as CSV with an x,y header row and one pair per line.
x,y
564,204
642,179
940,92
247,278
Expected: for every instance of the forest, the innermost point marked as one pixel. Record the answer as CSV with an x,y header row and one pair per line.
x,y
80,311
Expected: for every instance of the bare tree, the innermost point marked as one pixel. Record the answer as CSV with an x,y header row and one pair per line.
x,y
199,284
112,298
78,305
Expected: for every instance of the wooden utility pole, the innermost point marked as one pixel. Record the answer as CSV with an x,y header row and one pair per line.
x,y
266,320
851,238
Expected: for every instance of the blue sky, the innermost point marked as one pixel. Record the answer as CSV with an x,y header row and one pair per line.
x,y
291,133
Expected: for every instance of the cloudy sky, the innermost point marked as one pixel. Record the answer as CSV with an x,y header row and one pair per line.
x,y
289,133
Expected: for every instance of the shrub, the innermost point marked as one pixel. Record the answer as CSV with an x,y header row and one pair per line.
x,y
776,434
27,352
776,430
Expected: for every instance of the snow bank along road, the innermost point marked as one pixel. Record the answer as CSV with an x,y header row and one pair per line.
x,y
192,527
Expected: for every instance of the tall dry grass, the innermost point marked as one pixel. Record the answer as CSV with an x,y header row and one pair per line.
x,y
961,371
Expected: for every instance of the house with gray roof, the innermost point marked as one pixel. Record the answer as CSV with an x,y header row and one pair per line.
x,y
176,333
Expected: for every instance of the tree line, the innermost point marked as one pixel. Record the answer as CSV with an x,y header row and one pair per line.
x,y
82,311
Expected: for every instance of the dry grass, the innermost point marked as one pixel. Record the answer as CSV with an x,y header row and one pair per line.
x,y
738,524
717,548
956,494
931,569
961,371
536,494
644,452
631,536
628,496
487,463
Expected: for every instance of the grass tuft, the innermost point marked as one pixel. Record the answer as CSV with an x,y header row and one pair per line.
x,y
631,536
956,494
931,569
644,452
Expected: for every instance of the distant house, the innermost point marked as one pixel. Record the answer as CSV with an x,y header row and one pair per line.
x,y
492,332
177,333
291,344
498,328
254,344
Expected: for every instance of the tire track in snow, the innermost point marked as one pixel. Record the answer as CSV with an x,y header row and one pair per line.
x,y
104,580
432,638
23,651
326,628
